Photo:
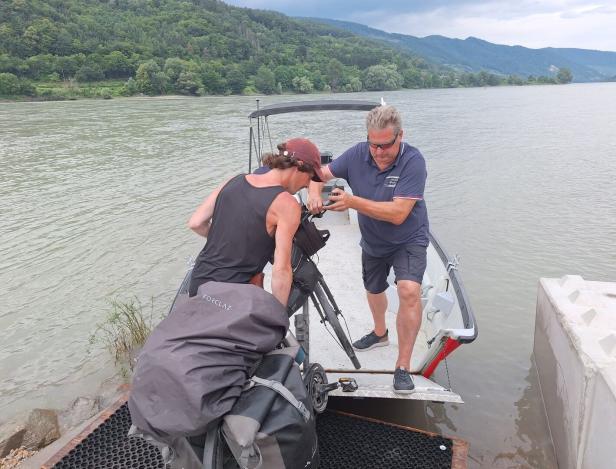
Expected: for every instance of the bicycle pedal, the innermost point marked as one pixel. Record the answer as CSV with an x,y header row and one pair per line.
x,y
348,384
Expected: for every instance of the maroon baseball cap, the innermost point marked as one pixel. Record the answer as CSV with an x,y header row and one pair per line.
x,y
303,149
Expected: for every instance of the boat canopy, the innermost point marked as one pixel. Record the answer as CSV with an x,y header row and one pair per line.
x,y
321,105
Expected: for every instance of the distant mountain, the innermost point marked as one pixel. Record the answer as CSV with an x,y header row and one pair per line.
x,y
473,54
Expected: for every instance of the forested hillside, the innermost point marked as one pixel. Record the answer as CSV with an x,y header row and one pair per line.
x,y
474,55
65,48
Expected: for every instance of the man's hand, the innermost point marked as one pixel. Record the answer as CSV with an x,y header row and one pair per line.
x,y
339,200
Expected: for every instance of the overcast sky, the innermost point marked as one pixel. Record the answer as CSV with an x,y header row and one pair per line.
x,y
530,23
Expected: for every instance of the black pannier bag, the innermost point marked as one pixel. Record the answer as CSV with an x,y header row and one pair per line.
x,y
272,425
307,241
196,362
309,238
305,277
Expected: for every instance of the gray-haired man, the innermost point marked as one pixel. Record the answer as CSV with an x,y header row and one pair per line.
x,y
387,177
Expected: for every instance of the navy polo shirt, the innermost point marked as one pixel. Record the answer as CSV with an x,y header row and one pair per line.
x,y
405,179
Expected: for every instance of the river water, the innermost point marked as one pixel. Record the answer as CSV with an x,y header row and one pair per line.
x,y
94,198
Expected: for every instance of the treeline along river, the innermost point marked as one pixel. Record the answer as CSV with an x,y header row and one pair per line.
x,y
94,198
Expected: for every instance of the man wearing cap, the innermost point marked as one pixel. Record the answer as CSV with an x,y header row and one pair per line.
x,y
387,177
251,217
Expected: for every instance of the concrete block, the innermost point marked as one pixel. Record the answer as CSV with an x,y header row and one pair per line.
x,y
575,353
598,445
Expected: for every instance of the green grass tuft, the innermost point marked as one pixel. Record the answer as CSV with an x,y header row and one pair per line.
x,y
124,331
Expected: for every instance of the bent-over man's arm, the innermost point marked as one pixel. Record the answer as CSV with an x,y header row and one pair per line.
x,y
315,203
199,222
287,214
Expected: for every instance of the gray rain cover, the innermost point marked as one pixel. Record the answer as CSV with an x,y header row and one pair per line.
x,y
194,365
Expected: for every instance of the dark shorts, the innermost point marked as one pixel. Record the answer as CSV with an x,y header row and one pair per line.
x,y
409,263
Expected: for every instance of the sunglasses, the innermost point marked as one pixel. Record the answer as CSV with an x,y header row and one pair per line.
x,y
383,146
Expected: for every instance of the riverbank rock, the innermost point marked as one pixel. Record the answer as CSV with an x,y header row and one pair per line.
x,y
39,429
42,429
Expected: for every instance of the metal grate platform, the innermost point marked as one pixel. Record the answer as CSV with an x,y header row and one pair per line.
x,y
358,443
108,447
344,441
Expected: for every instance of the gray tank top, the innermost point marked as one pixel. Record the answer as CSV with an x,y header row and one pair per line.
x,y
238,245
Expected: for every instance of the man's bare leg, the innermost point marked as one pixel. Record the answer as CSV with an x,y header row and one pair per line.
x,y
378,306
408,320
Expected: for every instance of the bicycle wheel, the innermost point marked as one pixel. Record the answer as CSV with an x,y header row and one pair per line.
x,y
332,318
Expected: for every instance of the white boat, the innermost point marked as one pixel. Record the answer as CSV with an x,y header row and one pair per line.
x,y
447,317
330,364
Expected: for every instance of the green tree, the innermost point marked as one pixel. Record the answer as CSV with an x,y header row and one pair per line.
x,y
355,84
116,65
63,44
9,84
335,74
174,66
515,80
14,65
236,80
284,75
302,51
130,87
89,72
10,41
493,80
302,84
382,77
67,66
265,80
564,75
212,79
150,78
40,65
449,80
482,78
40,35
188,83
412,78
318,79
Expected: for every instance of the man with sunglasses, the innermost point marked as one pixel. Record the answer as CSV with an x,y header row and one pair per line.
x,y
387,177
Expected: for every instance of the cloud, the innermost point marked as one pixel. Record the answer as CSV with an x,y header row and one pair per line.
x,y
592,10
547,24
531,23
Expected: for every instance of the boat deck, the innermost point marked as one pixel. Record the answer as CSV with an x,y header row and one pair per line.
x,y
340,263
345,440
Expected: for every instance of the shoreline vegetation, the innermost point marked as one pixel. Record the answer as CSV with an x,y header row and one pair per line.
x,y
72,49
14,89
124,331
